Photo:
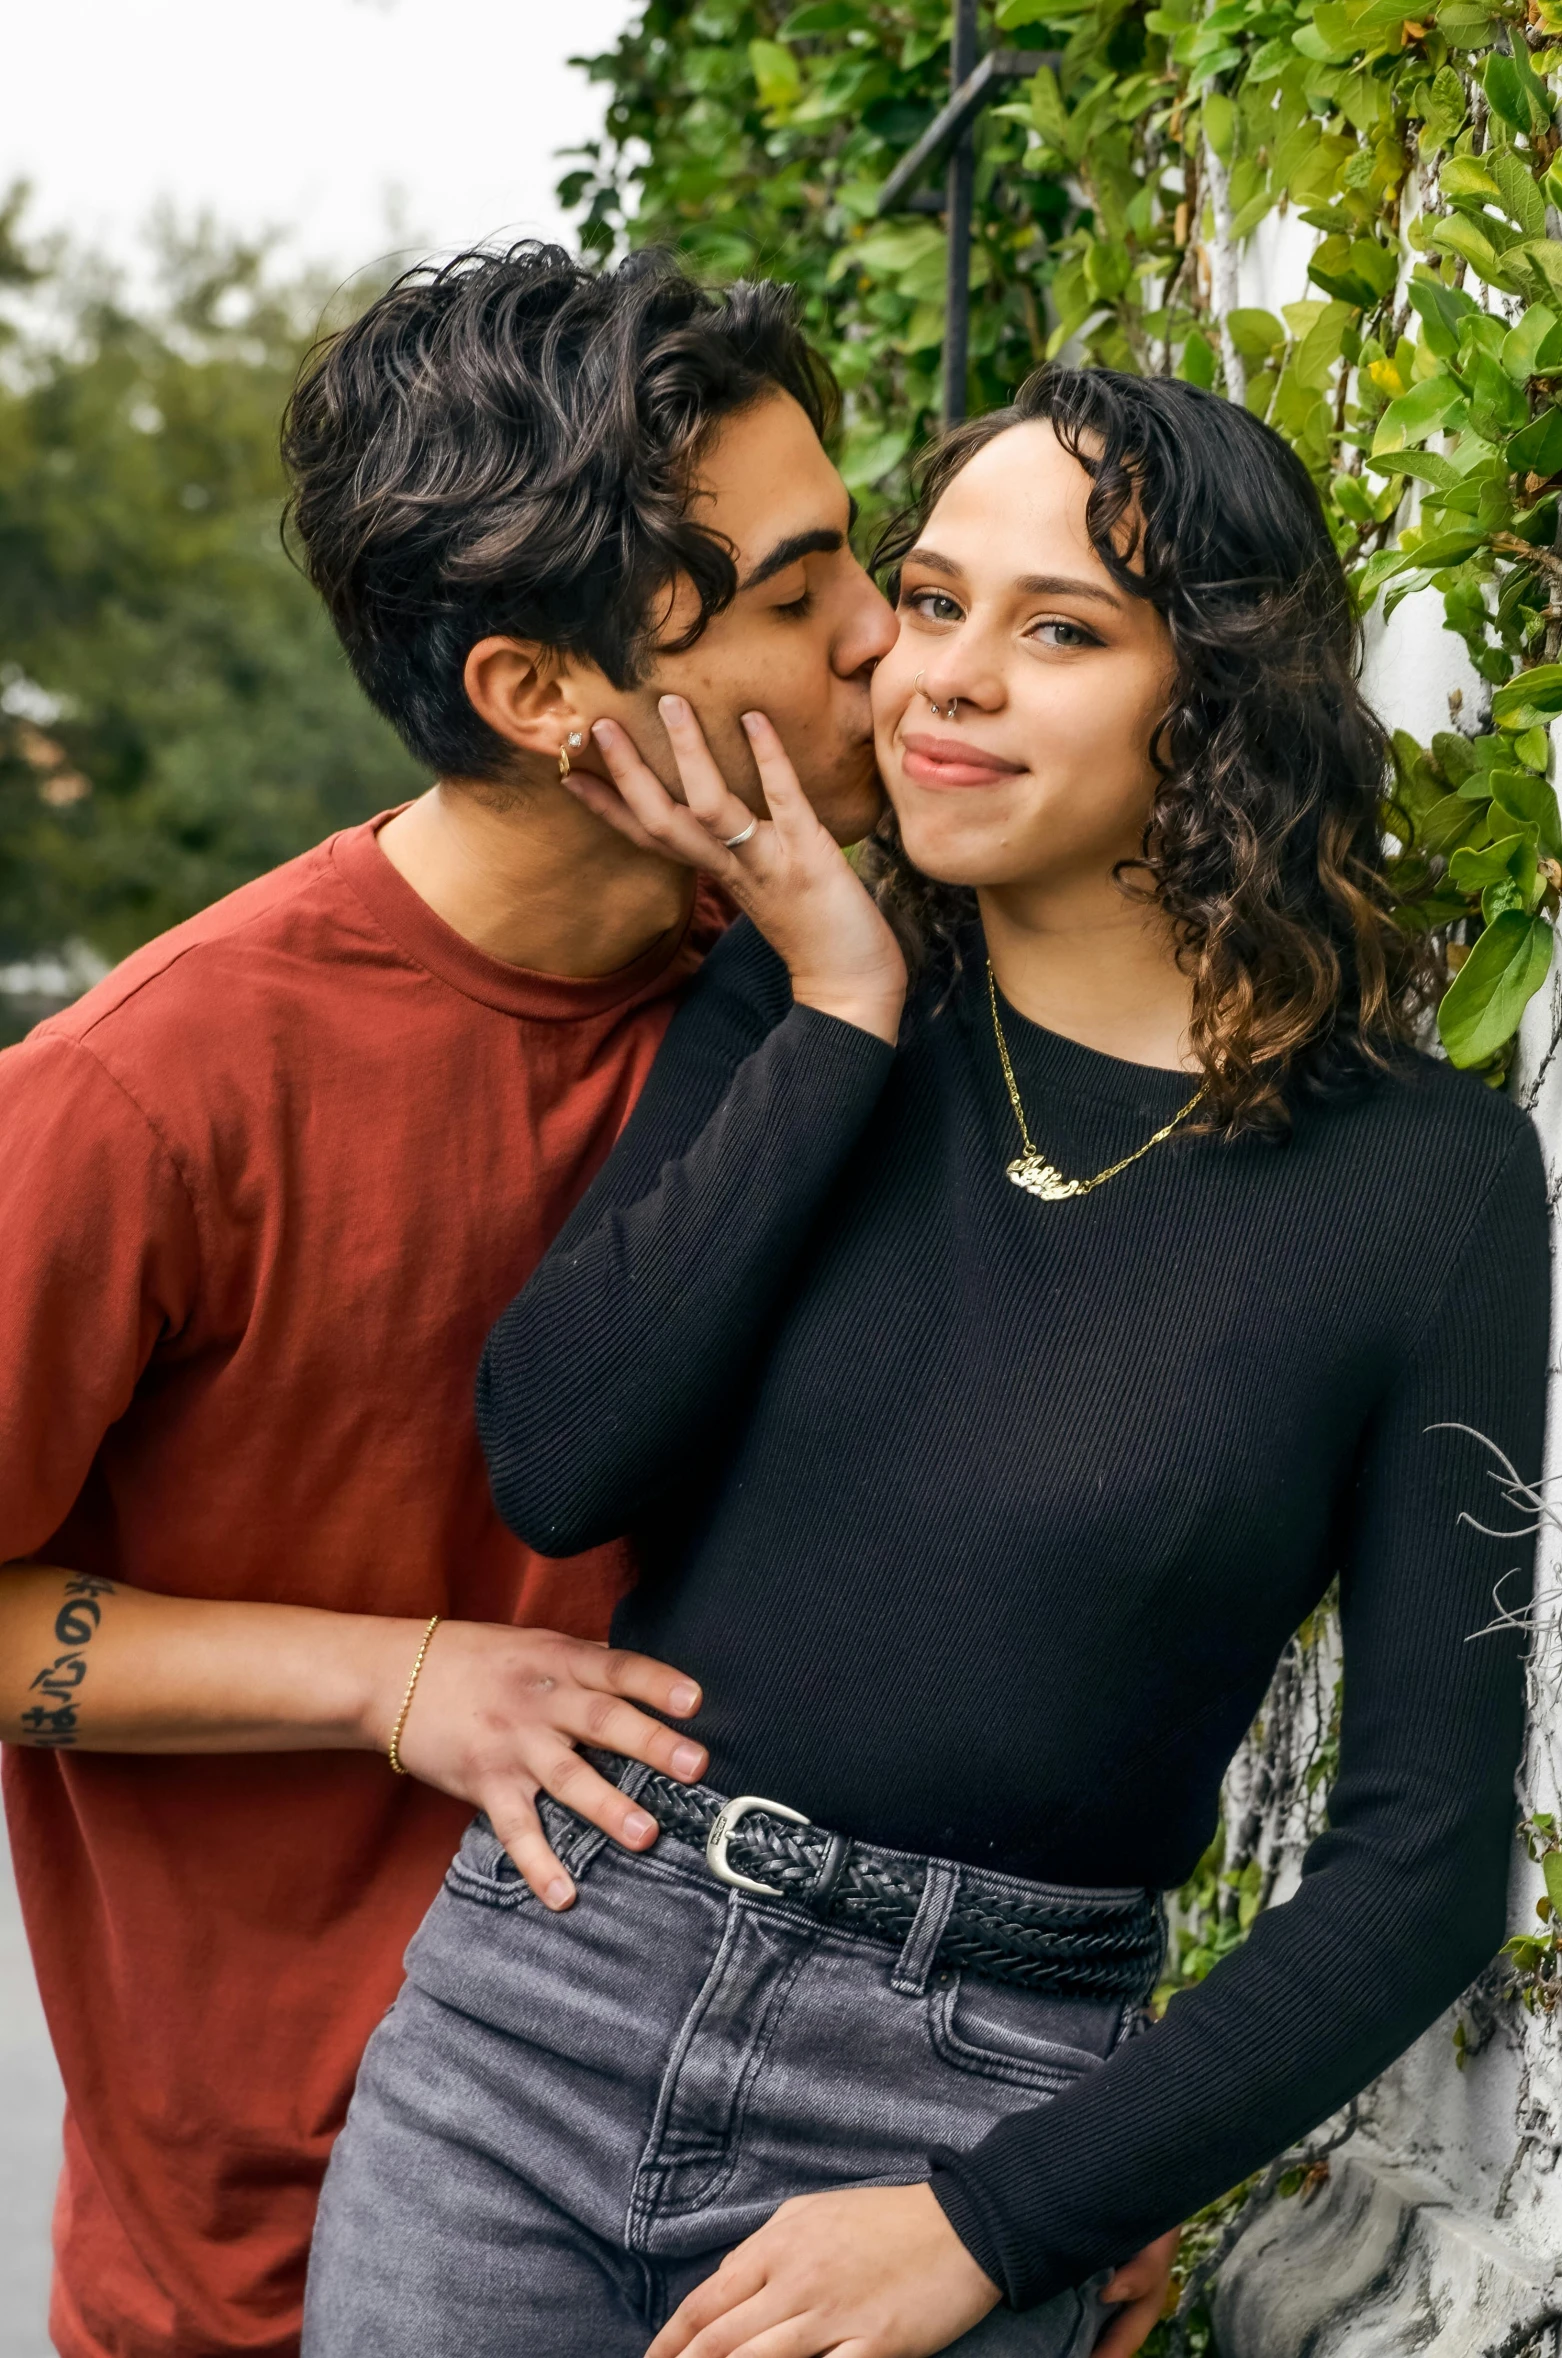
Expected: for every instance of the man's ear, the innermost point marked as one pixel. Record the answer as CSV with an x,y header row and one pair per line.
x,y
515,686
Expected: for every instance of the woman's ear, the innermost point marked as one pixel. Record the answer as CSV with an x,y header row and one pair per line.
x,y
514,686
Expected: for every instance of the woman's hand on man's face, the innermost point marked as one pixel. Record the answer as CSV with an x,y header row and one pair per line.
x,y
873,2272
787,873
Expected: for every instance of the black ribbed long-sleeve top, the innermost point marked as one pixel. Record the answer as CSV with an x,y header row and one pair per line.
x,y
983,1521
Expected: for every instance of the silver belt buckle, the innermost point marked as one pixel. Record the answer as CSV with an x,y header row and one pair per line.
x,y
722,1827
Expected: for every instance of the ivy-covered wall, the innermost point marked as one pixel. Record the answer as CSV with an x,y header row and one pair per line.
x,y
1417,373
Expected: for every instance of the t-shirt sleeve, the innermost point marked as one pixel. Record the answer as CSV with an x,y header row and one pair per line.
x,y
624,1351
98,1263
1402,1898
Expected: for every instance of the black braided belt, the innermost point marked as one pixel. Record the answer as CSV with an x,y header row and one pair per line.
x,y
1101,1944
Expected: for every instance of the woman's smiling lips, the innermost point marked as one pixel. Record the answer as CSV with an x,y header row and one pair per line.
x,y
953,761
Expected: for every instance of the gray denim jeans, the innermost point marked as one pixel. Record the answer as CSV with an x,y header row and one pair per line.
x,y
565,2121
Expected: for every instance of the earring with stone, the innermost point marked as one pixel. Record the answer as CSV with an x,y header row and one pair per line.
x,y
572,744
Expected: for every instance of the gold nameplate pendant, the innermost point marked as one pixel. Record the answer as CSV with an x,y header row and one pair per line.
x,y
1038,1177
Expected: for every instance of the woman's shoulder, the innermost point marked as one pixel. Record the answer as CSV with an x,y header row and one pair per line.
x,y
742,986
1440,1142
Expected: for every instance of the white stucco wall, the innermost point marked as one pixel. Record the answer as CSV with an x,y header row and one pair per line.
x,y
1440,2228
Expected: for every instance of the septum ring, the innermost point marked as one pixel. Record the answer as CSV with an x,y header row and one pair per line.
x,y
732,841
948,711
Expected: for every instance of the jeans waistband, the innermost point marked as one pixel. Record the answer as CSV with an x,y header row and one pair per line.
x,y
1091,1941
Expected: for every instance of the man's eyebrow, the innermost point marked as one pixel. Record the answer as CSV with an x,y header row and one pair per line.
x,y
823,541
1033,585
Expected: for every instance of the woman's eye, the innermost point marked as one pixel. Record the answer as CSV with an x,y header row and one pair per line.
x,y
1065,634
933,605
797,608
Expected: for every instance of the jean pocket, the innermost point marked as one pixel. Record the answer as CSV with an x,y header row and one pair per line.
x,y
483,1870
1030,2038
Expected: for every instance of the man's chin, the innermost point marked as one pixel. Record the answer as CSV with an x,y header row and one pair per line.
x,y
850,805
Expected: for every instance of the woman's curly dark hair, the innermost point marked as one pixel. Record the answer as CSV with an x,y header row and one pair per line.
x,y
1264,841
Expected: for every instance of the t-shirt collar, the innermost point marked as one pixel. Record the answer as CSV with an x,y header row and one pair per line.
x,y
513,990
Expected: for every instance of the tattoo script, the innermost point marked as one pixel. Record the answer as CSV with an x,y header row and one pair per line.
x,y
75,1627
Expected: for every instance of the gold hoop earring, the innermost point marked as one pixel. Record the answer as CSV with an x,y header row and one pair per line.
x,y
948,711
572,744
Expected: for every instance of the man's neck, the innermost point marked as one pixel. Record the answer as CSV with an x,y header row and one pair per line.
x,y
535,881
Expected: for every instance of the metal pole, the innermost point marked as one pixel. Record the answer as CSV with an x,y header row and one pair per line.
x,y
957,215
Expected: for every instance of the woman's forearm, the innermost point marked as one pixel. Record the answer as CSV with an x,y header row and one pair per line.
x,y
96,1666
622,1354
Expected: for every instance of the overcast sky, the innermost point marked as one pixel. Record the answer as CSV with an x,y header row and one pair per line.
x,y
354,125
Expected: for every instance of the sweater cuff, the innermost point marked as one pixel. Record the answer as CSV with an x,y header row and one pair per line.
x,y
1024,2278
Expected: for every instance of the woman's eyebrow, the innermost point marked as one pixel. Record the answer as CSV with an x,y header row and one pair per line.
x,y
1056,585
1030,585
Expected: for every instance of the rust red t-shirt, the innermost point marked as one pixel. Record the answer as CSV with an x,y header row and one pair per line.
x,y
263,1192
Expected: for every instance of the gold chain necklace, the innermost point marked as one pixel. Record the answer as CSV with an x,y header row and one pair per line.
x,y
1031,1170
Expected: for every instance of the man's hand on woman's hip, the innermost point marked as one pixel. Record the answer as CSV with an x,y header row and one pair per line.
x,y
91,1664
496,1718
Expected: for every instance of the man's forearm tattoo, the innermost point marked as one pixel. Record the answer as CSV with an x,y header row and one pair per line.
x,y
75,1626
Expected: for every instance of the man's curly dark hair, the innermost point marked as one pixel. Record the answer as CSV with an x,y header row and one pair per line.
x,y
506,446
1264,841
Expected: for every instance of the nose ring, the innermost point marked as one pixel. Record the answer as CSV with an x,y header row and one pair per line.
x,y
947,711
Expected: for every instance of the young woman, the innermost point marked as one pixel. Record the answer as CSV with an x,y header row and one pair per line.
x,y
992,1378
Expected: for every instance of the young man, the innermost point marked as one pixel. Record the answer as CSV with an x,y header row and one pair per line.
x,y
264,1191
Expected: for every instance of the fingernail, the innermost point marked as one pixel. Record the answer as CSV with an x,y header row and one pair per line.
x,y
602,730
558,1893
751,721
637,1826
672,708
687,1759
684,1696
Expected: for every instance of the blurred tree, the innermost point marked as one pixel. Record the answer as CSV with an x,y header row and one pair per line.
x,y
175,715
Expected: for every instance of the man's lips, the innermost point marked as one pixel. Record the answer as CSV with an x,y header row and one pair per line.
x,y
954,761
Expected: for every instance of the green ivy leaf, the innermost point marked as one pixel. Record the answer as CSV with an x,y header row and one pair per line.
x,y
1513,90
1441,309
1523,344
820,16
1551,1869
1532,801
1436,402
777,75
1047,110
1358,270
1445,108
1542,259
1482,1005
1220,124
1497,405
1457,234
1468,177
1508,861
1521,197
1435,550
1538,449
1539,690
1256,334
1197,365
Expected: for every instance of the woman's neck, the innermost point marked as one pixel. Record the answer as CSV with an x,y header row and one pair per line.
x,y
1088,962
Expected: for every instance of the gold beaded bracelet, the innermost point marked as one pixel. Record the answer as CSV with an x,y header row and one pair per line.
x,y
393,1749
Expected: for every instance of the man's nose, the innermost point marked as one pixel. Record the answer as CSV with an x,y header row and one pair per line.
x,y
868,629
